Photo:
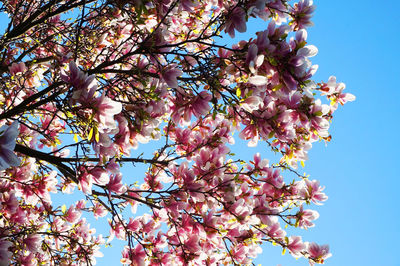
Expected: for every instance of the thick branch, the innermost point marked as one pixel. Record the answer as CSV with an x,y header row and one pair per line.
x,y
23,106
31,22
64,169
58,161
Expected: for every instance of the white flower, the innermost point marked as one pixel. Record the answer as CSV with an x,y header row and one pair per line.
x,y
7,145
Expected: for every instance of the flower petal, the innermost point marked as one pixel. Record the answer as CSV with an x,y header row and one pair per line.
x,y
258,80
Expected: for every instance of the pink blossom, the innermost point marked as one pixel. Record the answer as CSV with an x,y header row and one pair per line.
x,y
296,246
293,99
302,13
334,91
263,41
236,21
241,254
118,230
100,176
346,97
80,205
258,80
250,132
170,75
50,182
86,182
33,242
186,105
192,244
224,53
115,185
251,54
251,103
5,253
332,87
27,259
106,109
113,167
201,104
289,81
72,215
301,36
304,217
99,210
275,231
318,253
134,224
307,51
313,191
319,109
7,144
9,202
188,5
258,162
16,68
134,257
77,78
241,209
162,79
59,225
20,216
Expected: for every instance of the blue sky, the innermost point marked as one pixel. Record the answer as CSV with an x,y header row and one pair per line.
x,y
358,43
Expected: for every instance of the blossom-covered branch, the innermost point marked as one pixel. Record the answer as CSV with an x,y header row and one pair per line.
x,y
87,84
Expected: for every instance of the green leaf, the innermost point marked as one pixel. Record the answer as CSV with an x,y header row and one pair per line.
x,y
238,92
301,45
273,61
319,113
90,134
277,87
97,135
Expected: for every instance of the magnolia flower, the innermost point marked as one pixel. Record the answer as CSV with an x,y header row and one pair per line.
x,y
192,244
318,253
171,74
303,12
313,191
33,242
295,246
5,254
301,35
115,185
258,80
7,145
134,256
308,51
72,215
236,21
251,53
16,68
305,217
77,78
106,109
251,103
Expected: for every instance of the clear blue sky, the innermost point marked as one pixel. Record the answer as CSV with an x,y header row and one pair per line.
x,y
358,42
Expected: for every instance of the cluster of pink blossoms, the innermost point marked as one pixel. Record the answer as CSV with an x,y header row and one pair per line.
x,y
83,94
